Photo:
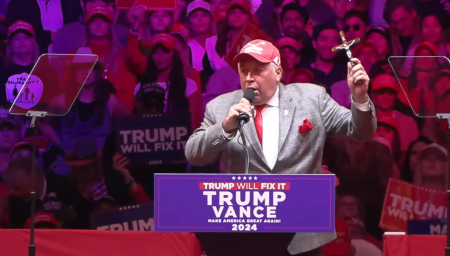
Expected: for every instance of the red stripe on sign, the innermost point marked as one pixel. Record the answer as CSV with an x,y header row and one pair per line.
x,y
244,185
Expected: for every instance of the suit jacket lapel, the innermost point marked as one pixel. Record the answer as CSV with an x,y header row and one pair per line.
x,y
251,138
287,111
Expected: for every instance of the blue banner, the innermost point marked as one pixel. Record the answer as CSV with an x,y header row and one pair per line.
x,y
134,217
153,139
427,227
244,203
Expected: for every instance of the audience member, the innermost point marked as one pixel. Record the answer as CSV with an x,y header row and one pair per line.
x,y
361,245
403,19
200,24
325,68
45,16
22,53
388,130
411,161
293,20
166,68
290,57
302,75
432,167
385,89
319,12
10,134
341,7
55,194
91,116
42,220
356,24
72,36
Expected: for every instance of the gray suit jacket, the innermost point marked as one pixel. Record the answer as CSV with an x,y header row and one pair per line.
x,y
298,153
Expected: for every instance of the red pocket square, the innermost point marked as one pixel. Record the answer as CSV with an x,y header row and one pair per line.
x,y
305,127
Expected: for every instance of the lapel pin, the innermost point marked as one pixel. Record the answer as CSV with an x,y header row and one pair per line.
x,y
286,112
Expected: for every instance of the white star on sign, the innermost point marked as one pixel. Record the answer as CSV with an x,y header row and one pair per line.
x,y
245,177
250,178
255,178
239,178
233,178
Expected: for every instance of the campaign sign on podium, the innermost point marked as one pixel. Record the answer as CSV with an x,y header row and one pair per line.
x,y
244,203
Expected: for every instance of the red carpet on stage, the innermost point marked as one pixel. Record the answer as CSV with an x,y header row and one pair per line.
x,y
99,243
414,245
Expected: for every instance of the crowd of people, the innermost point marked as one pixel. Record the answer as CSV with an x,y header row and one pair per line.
x,y
156,61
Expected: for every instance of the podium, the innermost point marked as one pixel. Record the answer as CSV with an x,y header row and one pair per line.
x,y
244,214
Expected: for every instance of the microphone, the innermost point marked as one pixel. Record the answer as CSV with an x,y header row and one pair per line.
x,y
249,94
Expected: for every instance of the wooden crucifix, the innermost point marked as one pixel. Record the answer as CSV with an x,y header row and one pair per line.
x,y
346,46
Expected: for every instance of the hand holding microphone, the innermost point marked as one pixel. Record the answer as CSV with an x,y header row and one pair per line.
x,y
239,113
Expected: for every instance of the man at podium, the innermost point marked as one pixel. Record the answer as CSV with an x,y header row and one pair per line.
x,y
287,128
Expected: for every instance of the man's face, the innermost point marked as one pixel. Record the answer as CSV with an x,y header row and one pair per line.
x,y
343,6
261,77
19,183
289,57
368,56
403,21
354,27
293,24
384,99
327,39
9,136
347,207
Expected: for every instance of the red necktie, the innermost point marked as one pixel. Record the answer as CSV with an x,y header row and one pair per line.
x,y
259,122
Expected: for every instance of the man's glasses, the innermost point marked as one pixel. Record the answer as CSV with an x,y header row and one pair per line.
x,y
355,27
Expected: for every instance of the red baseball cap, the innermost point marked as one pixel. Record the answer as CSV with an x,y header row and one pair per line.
x,y
21,26
385,81
41,217
165,40
220,15
180,29
388,120
288,42
244,5
263,51
100,11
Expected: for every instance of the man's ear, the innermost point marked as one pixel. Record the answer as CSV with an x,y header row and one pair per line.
x,y
279,72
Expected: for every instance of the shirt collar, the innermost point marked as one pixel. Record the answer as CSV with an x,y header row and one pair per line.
x,y
275,100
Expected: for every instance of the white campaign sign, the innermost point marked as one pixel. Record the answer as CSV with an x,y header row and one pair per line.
x,y
29,96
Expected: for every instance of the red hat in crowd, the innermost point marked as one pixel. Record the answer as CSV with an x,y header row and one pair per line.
x,y
263,51
244,5
303,72
220,15
165,40
427,46
100,11
24,145
21,26
42,217
288,42
385,81
180,29
364,44
340,245
388,120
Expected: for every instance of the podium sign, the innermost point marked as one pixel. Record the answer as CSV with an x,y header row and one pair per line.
x,y
427,227
244,203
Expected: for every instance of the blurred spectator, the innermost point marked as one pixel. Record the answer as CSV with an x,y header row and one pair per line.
x,y
442,82
22,52
376,10
341,7
218,5
55,194
356,24
150,99
432,167
340,246
405,24
45,16
349,206
427,7
10,134
102,42
200,23
91,116
411,161
361,245
224,80
384,95
42,220
302,75
381,37
238,14
290,57
166,68
25,149
388,129
431,31
151,22
325,69
367,53
319,12
293,20
71,36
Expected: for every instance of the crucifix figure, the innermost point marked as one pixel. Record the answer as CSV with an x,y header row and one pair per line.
x,y
346,46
